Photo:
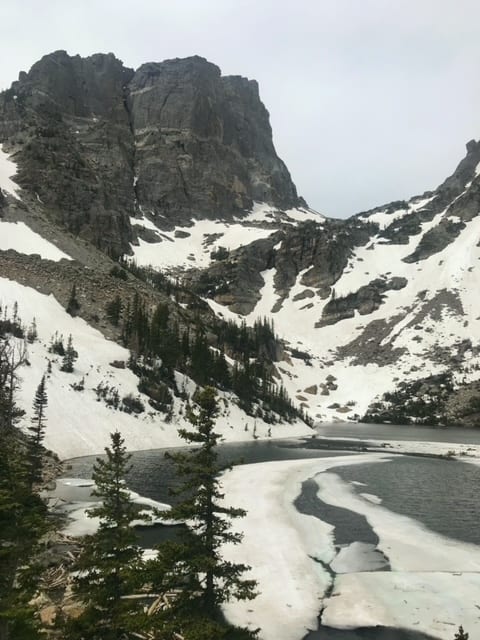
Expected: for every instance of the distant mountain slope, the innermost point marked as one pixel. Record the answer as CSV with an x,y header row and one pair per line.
x,y
387,296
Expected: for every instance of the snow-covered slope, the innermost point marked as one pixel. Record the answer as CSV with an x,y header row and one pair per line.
x,y
436,309
79,420
363,305
403,307
17,236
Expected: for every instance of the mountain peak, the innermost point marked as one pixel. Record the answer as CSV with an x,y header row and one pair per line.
x,y
98,143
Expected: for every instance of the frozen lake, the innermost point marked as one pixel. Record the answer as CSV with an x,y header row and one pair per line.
x,y
440,496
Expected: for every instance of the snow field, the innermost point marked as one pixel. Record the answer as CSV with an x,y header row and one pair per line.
x,y
263,212
194,250
455,268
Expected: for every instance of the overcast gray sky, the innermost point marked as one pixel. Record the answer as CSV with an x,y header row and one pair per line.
x,y
370,100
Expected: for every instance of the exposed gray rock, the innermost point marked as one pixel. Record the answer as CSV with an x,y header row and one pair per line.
x,y
203,143
458,197
67,122
321,250
368,347
366,300
436,239
97,142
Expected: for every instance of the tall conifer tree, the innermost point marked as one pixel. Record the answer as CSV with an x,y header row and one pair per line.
x,y
110,563
37,432
192,565
22,511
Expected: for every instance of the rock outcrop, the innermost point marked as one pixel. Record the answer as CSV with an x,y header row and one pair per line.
x,y
203,143
66,123
320,251
96,143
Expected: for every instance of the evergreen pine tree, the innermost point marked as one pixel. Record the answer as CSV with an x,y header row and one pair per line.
x,y
32,333
114,310
37,432
69,358
110,562
461,635
73,305
192,565
22,512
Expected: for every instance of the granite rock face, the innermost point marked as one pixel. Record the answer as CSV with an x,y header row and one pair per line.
x,y
203,142
67,125
97,143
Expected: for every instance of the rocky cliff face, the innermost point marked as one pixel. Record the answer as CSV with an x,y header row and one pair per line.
x,y
97,143
66,122
203,143
163,163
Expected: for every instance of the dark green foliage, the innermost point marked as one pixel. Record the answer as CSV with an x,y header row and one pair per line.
x,y
419,401
56,344
219,254
73,305
114,310
192,565
160,397
156,279
131,404
461,635
23,515
110,563
159,348
69,357
118,272
32,333
11,326
108,394
37,432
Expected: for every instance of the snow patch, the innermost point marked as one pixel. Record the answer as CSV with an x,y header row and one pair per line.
x,y
194,249
17,236
8,169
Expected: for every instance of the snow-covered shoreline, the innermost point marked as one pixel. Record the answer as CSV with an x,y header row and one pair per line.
x,y
466,452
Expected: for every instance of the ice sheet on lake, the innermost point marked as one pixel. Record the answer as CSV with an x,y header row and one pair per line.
x,y
285,548
434,585
358,556
433,603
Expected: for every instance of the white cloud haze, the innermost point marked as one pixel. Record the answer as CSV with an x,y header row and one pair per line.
x,y
370,100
